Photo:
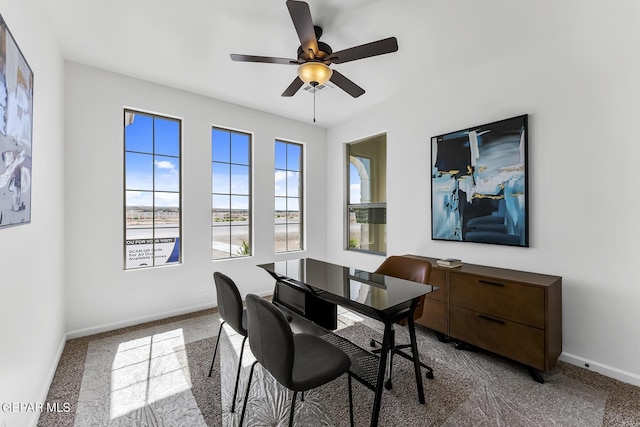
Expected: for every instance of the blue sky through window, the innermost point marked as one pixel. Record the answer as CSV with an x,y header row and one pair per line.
x,y
355,186
230,170
152,148
288,157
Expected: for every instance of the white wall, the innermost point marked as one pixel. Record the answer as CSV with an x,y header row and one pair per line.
x,y
574,69
32,328
100,294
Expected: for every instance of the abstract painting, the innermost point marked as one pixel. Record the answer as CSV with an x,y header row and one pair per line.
x,y
479,184
16,112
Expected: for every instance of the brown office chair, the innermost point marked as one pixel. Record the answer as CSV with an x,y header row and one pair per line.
x,y
416,270
299,362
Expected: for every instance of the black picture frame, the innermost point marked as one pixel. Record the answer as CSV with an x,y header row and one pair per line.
x,y
479,184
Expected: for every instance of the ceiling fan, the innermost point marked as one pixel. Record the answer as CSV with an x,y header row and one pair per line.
x,y
314,56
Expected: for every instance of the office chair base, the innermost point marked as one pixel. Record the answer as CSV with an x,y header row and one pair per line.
x,y
388,384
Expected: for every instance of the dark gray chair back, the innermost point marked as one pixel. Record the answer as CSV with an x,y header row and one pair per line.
x,y
273,349
229,302
299,362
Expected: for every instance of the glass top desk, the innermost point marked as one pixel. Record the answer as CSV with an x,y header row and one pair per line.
x,y
313,289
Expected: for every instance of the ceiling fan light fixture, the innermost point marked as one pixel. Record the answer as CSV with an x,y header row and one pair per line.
x,y
314,72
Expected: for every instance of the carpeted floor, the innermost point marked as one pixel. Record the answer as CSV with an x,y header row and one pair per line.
x,y
156,375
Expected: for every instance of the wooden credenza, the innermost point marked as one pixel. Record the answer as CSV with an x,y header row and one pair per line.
x,y
515,314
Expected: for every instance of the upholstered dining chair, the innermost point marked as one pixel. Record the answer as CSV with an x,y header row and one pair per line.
x,y
299,362
233,313
416,270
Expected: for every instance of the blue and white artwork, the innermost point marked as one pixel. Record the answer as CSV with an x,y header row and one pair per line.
x,y
479,184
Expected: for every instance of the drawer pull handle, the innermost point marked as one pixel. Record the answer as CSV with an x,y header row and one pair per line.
x,y
491,319
486,282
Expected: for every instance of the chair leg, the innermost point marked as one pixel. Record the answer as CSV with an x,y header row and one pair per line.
x,y
350,399
293,405
246,395
388,384
235,389
215,350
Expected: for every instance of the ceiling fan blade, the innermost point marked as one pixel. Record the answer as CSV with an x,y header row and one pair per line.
x,y
345,84
266,59
301,17
293,87
368,50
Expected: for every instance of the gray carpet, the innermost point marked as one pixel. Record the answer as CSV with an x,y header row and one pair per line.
x,y
110,380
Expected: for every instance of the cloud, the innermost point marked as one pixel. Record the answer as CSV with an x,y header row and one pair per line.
x,y
282,176
164,164
167,200
281,181
139,198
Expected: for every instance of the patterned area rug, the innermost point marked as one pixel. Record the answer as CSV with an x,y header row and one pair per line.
x,y
468,389
156,375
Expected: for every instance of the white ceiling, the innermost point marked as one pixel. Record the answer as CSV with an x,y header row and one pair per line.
x,y
186,44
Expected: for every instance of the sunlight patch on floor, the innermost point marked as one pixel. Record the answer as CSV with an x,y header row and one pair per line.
x,y
146,370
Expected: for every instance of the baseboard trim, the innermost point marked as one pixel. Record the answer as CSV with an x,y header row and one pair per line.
x,y
143,319
609,371
135,321
48,380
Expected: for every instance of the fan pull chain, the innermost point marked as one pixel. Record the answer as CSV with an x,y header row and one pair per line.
x,y
314,104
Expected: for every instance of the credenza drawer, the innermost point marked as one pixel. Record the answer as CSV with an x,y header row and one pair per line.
x,y
519,342
500,298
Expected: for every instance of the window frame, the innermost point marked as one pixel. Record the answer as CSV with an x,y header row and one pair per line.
x,y
153,191
300,197
249,195
349,205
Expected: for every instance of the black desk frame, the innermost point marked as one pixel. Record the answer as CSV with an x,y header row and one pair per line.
x,y
388,317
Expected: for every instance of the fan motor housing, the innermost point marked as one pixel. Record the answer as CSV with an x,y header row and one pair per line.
x,y
324,50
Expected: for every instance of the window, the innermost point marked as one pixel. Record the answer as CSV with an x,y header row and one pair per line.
x,y
231,194
152,189
288,191
366,205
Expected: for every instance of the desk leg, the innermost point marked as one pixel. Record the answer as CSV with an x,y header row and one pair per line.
x,y
416,358
382,367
